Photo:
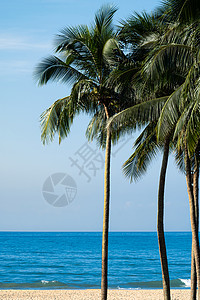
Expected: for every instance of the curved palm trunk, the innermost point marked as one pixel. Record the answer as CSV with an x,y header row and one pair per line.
x,y
196,204
160,223
104,280
193,295
194,228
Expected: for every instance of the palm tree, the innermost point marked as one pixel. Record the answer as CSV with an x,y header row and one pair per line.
x,y
175,59
143,34
163,61
182,51
83,64
181,111
147,148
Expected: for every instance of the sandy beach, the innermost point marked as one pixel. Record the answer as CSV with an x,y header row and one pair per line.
x,y
90,294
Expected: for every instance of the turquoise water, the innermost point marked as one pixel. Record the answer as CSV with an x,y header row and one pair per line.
x,y
73,260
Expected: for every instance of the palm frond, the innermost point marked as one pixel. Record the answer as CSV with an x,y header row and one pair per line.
x,y
53,120
54,69
104,17
111,50
146,148
86,95
96,129
170,114
80,42
138,27
182,121
166,56
193,129
179,159
72,37
139,114
183,11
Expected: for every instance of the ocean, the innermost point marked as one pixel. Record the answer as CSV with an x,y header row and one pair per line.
x,y
72,260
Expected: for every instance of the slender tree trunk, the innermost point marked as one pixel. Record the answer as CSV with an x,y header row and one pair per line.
x,y
195,237
160,224
193,277
196,204
104,280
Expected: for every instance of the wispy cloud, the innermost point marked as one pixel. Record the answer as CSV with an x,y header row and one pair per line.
x,y
17,43
15,67
26,49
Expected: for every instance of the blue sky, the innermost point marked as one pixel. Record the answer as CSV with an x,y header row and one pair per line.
x,y
27,31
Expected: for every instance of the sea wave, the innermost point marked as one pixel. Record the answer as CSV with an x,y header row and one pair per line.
x,y
174,283
53,284
45,284
186,282
34,285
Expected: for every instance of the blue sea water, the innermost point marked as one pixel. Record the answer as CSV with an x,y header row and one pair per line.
x,y
36,260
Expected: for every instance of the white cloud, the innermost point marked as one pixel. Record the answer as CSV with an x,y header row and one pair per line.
x,y
15,67
18,43
26,52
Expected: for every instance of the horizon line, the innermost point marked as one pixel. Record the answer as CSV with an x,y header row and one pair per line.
x,y
92,231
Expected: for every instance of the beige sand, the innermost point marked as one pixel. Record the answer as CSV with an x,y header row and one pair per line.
x,y
90,295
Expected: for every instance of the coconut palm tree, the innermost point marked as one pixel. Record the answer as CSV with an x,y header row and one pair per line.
x,y
147,147
81,62
181,48
174,59
143,34
181,110
170,59
136,165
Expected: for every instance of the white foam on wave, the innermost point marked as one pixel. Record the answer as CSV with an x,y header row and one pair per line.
x,y
119,288
187,282
46,281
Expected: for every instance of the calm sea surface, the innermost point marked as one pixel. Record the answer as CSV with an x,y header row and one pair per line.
x,y
73,260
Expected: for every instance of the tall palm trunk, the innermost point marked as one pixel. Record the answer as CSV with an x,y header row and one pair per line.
x,y
104,280
196,204
193,295
194,228
160,223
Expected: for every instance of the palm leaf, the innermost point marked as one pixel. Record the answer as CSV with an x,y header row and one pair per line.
x,y
146,148
54,121
54,69
104,17
139,114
